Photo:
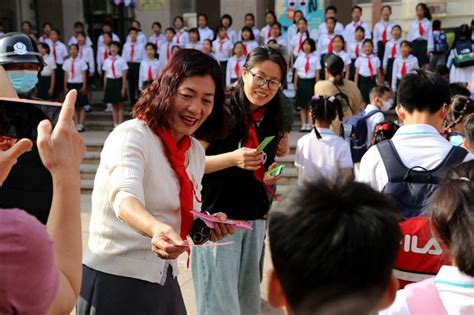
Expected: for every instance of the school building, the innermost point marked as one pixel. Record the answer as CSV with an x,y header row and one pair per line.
x,y
63,13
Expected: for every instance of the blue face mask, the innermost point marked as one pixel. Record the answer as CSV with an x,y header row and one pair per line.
x,y
23,80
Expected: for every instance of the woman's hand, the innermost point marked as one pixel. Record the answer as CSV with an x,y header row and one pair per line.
x,y
283,146
221,230
248,159
166,243
9,153
269,179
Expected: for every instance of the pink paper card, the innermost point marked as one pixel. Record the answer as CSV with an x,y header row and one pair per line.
x,y
210,220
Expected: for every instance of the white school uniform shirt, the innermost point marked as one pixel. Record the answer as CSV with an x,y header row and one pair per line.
x,y
321,158
79,67
120,66
344,56
86,53
250,45
157,40
230,70
372,121
222,51
388,51
362,64
417,145
141,38
353,48
256,33
205,33
314,65
411,63
295,43
378,32
232,34
455,289
338,30
197,45
102,55
314,35
100,40
165,51
45,39
49,67
73,40
61,52
323,43
138,52
266,33
349,31
181,38
414,32
145,65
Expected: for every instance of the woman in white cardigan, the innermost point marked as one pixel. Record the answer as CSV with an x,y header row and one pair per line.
x,y
148,181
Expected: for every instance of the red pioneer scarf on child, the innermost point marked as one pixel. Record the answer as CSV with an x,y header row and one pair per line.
x,y
252,142
176,154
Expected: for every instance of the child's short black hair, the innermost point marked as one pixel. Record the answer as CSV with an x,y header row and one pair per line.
x,y
367,40
195,31
226,16
157,24
356,7
360,29
325,109
386,6
56,31
397,26
331,8
423,91
247,29
116,44
45,47
442,70
332,18
152,46
405,43
74,45
332,241
133,29
311,43
170,29
469,130
378,91
204,15
79,24
436,25
458,88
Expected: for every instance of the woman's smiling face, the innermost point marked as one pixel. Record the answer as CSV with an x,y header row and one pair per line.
x,y
261,95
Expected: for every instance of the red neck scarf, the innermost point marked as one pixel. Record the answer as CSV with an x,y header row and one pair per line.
x,y
252,142
176,154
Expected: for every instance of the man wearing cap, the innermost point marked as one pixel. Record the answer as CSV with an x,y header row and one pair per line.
x,y
29,184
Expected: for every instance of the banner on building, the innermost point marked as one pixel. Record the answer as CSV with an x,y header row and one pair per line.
x,y
313,11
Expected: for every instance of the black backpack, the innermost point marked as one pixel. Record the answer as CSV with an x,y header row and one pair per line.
x,y
356,126
411,189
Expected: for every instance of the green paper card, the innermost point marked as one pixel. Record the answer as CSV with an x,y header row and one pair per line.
x,y
264,143
276,171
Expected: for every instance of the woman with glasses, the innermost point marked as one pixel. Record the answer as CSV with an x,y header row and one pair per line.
x,y
236,182
147,183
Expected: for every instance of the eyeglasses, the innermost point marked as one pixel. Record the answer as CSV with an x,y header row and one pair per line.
x,y
260,80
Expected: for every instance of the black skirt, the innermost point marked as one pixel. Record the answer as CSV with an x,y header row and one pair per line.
x,y
388,77
81,99
365,85
304,93
419,49
352,69
380,50
113,91
44,83
59,83
103,293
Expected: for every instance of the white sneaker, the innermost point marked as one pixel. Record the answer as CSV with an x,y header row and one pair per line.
x,y
87,108
80,128
108,108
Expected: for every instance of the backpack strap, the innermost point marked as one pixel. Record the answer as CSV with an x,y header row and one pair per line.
x,y
394,166
372,113
455,156
423,298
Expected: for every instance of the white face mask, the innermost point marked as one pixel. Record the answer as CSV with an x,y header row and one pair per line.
x,y
386,105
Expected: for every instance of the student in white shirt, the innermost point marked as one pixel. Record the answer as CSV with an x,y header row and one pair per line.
x,y
349,30
107,28
451,216
141,37
248,40
422,107
325,44
103,51
86,53
235,64
392,51
149,67
380,102
115,82
339,46
368,72
165,49
222,48
322,153
383,31
250,22
293,28
157,38
181,37
133,52
355,49
331,11
266,32
79,28
420,34
46,31
296,45
226,21
306,65
46,79
403,64
204,31
75,78
462,45
194,39
58,52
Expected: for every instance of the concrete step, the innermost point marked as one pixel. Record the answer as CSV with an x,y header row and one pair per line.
x,y
88,171
86,186
288,177
102,116
91,157
288,160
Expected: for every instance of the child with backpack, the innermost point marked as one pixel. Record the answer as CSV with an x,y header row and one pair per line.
x,y
422,107
461,56
322,153
440,46
451,214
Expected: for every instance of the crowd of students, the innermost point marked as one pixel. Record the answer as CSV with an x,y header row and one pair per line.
x,y
338,245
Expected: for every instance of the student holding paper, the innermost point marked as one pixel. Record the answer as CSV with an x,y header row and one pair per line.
x,y
227,278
